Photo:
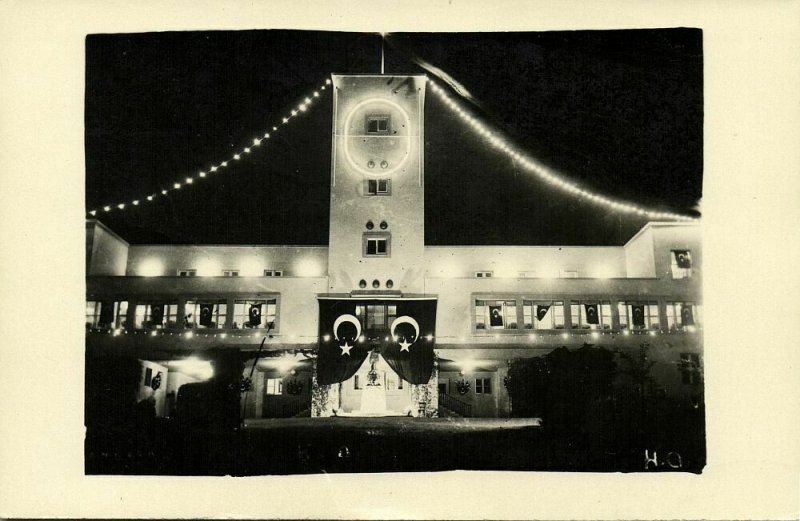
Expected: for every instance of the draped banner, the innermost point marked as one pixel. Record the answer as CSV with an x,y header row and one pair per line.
x,y
402,339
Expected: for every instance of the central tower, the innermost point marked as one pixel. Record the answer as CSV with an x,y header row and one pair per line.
x,y
377,184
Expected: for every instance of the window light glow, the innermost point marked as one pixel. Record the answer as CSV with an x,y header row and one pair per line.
x,y
151,267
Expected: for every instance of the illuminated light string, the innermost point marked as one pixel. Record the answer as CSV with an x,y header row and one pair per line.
x,y
302,107
493,138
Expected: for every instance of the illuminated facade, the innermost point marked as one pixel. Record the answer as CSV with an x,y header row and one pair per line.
x,y
171,305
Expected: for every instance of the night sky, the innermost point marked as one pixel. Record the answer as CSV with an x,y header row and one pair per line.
x,y
620,112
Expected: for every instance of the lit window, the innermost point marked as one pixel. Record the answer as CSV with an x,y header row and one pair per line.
x,y
638,315
204,314
106,314
483,274
682,315
274,386
255,314
690,369
378,187
591,315
378,124
230,273
376,245
681,264
187,273
495,314
156,315
273,273
483,386
543,314
376,318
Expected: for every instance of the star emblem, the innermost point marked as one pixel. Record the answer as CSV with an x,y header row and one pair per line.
x,y
346,348
405,345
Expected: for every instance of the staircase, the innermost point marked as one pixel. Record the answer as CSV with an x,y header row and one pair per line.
x,y
450,407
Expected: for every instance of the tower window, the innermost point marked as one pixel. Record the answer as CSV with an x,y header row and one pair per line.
x,y
379,187
378,124
376,245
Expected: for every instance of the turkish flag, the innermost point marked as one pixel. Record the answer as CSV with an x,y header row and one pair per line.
x,y
541,312
206,314
638,314
157,314
496,316
409,350
254,315
687,318
683,259
341,355
591,314
106,313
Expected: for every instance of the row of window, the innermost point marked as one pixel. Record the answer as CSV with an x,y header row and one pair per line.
x,y
191,272
590,314
201,314
680,265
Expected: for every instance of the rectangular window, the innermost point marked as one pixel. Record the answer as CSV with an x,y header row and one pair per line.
x,y
378,187
230,273
273,273
495,314
591,314
376,245
638,315
483,274
255,314
376,318
205,314
148,376
483,386
274,386
543,314
681,264
187,273
114,316
690,369
682,316
378,124
156,315
356,383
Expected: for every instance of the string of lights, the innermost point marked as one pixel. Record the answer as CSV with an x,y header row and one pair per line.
x,y
494,139
218,168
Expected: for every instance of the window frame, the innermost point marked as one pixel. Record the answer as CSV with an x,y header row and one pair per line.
x,y
673,314
230,273
377,118
219,317
484,274
273,273
557,307
483,385
627,323
680,273
119,314
606,319
276,384
171,310
485,320
378,192
376,236
240,318
187,272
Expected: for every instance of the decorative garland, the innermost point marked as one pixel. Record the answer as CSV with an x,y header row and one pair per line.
x,y
462,386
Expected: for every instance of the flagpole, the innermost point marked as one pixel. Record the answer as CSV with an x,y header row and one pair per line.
x,y
383,41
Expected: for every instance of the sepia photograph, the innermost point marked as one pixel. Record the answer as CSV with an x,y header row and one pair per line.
x,y
338,252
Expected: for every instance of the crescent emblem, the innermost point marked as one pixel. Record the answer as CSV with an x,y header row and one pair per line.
x,y
346,318
407,320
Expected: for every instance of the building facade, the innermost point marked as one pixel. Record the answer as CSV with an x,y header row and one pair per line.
x,y
475,309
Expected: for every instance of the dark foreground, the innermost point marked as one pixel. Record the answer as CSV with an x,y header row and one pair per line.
x,y
315,445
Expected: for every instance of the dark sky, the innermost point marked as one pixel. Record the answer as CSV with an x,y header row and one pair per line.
x,y
620,112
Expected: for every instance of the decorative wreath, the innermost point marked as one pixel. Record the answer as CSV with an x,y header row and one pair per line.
x,y
294,387
462,386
